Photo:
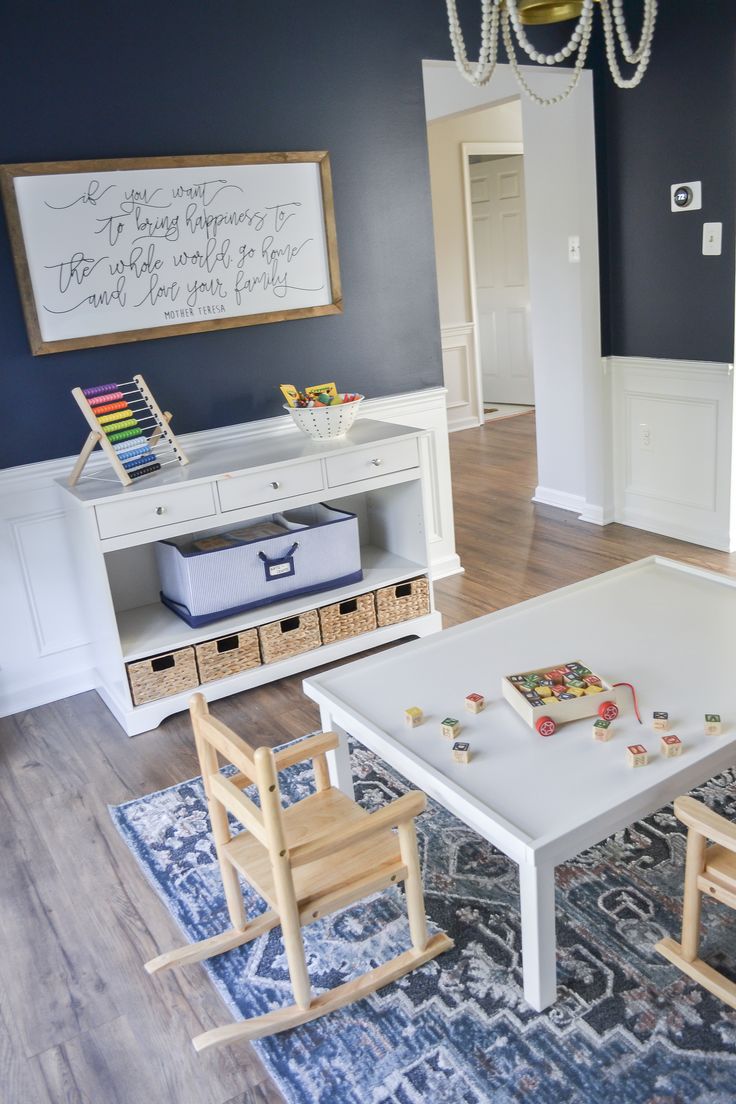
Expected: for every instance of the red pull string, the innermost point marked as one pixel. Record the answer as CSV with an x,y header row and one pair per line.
x,y
633,694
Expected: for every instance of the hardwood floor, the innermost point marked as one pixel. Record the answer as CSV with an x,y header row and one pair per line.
x,y
80,1021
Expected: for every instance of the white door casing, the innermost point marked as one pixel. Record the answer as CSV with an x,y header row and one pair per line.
x,y
501,279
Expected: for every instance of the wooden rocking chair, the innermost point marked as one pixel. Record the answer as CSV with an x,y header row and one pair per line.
x,y
307,861
710,870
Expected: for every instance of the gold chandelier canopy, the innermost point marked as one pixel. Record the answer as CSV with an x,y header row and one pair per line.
x,y
538,12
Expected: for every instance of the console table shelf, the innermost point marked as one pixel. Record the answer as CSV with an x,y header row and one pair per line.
x,y
376,472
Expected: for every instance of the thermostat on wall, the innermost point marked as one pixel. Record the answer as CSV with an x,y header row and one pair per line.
x,y
686,197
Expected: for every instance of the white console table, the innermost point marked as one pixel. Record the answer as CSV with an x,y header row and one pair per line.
x,y
375,472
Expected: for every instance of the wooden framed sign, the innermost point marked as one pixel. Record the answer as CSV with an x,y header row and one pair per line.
x,y
124,250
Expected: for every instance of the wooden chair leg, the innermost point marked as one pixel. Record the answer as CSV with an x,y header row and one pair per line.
x,y
288,909
413,884
692,897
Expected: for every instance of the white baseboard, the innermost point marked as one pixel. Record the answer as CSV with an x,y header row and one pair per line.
x,y
666,527
450,565
43,645
15,699
548,496
465,423
597,515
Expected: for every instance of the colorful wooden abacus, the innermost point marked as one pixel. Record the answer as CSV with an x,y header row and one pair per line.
x,y
127,424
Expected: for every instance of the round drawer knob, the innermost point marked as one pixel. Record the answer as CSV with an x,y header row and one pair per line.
x,y
160,510
376,463
275,484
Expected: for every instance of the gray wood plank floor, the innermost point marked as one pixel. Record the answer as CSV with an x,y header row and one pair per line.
x,y
80,1021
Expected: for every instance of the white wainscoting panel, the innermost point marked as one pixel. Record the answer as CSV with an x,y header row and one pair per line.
x,y
673,424
44,653
461,376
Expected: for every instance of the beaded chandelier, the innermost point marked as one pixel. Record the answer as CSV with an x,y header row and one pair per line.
x,y
510,16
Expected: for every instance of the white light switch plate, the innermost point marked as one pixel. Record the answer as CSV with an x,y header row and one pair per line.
x,y
573,249
712,232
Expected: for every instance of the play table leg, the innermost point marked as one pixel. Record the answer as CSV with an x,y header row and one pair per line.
x,y
538,938
338,761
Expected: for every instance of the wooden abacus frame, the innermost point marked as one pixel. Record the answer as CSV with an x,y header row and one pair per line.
x,y
151,416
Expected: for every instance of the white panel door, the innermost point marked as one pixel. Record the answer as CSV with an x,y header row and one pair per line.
x,y
501,279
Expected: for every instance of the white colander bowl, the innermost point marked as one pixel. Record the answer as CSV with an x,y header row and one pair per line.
x,y
325,422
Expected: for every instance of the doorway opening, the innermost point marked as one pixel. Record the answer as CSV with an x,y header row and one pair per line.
x,y
476,161
570,390
500,299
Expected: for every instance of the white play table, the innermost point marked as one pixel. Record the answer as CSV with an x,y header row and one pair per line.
x,y
668,628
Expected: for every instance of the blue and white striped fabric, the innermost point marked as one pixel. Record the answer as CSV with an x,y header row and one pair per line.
x,y
318,548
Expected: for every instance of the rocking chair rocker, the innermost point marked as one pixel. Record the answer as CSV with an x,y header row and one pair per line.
x,y
318,856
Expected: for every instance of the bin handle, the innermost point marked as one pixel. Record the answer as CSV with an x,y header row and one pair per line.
x,y
286,556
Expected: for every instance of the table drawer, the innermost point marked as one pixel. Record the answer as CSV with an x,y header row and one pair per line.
x,y
367,463
269,485
151,511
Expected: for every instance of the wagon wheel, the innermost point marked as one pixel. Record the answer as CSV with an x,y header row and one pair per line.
x,y
608,711
545,726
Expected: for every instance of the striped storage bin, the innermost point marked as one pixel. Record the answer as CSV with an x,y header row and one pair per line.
x,y
290,637
402,601
228,655
163,675
307,550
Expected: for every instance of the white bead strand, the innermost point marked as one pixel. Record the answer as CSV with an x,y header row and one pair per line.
x,y
647,30
577,69
481,71
562,54
644,49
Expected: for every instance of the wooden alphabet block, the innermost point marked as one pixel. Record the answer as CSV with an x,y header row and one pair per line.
x,y
660,722
413,716
602,730
461,752
450,728
670,746
637,755
544,691
713,726
476,703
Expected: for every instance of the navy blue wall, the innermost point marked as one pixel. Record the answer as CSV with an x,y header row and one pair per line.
x,y
91,80
88,80
660,296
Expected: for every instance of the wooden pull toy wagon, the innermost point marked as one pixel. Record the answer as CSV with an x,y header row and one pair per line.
x,y
551,696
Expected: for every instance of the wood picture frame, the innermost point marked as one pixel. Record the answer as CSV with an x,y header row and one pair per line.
x,y
117,274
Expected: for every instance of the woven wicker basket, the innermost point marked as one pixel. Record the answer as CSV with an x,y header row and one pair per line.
x,y
402,601
290,637
163,675
229,655
352,617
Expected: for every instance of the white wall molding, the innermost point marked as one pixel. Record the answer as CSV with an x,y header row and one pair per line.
x,y
548,496
460,373
44,654
672,448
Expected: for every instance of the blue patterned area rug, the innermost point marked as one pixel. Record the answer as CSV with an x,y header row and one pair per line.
x,y
627,1028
